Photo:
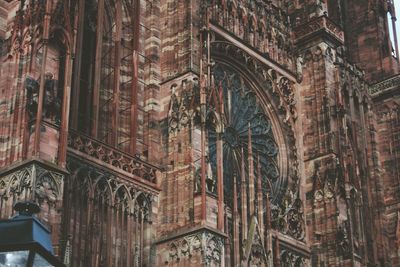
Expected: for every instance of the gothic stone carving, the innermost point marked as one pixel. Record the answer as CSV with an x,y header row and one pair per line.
x,y
184,104
26,28
204,242
342,237
49,185
210,180
292,259
32,89
320,24
386,85
135,199
253,251
287,215
34,182
113,157
264,26
52,98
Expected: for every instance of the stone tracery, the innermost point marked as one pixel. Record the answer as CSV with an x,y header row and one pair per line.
x,y
259,40
113,212
243,114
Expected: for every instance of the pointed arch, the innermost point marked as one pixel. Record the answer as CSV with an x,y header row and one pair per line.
x,y
142,205
62,35
103,190
213,119
122,197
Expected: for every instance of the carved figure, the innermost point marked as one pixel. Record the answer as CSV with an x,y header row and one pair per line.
x,y
52,98
299,68
32,89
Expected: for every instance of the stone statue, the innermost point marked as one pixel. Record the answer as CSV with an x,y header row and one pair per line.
x,y
52,99
32,90
299,68
210,181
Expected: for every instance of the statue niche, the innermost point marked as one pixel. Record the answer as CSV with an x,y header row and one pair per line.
x,y
52,98
210,179
32,91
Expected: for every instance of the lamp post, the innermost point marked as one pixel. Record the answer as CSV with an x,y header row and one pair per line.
x,y
25,241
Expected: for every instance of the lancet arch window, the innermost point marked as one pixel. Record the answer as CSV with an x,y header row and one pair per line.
x,y
105,81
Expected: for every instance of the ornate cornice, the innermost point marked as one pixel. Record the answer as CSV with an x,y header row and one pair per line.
x,y
114,159
387,85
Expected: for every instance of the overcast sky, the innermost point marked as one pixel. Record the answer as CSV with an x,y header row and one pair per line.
x,y
397,7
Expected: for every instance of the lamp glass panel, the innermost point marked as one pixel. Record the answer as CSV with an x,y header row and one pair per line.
x,y
14,258
39,261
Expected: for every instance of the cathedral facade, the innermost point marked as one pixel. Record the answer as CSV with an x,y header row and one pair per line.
x,y
204,133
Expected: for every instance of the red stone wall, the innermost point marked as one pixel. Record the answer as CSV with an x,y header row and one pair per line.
x,y
388,145
367,39
315,66
179,34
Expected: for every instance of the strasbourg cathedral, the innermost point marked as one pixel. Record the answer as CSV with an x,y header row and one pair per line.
x,y
204,132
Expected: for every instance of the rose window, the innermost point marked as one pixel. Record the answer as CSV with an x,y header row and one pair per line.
x,y
242,111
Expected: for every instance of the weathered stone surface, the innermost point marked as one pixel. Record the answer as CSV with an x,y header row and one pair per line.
x,y
204,133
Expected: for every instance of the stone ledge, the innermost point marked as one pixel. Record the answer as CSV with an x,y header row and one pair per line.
x,y
386,85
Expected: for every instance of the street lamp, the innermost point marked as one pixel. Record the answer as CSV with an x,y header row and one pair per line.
x,y
25,241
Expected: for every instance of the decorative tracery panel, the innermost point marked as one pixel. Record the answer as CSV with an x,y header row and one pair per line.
x,y
107,222
276,95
